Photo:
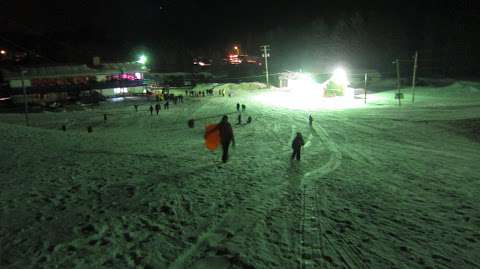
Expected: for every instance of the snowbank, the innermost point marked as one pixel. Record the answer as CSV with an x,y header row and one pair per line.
x,y
245,86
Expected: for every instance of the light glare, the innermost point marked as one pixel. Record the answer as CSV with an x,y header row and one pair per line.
x,y
142,59
340,77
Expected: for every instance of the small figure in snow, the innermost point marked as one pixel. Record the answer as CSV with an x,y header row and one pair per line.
x,y
158,107
166,105
151,110
136,107
310,120
105,117
249,119
238,107
297,144
239,119
244,107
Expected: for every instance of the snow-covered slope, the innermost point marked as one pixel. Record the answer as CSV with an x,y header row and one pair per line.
x,y
378,186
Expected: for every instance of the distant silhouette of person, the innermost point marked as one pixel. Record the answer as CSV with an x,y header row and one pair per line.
x,y
166,105
297,144
244,107
151,110
136,108
157,108
310,120
249,119
239,119
238,107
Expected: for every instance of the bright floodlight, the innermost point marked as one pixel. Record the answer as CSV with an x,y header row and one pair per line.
x,y
302,82
3,52
340,77
142,59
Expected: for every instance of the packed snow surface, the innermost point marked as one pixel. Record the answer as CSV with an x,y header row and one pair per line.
x,y
378,186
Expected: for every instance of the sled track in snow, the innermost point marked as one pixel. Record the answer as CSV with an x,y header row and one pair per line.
x,y
312,245
315,242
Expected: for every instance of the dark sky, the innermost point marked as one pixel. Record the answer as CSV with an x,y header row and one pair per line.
x,y
114,26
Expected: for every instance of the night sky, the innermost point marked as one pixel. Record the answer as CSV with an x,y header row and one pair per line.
x,y
74,30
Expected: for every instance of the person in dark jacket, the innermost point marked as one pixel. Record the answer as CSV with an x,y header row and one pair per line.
x,y
157,108
226,136
238,107
151,110
244,107
297,144
310,120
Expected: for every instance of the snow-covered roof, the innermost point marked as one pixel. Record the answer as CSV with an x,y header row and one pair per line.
x,y
73,70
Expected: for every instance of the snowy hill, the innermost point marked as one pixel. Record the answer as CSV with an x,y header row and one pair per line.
x,y
378,186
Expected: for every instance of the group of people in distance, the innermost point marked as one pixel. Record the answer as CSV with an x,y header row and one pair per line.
x,y
227,137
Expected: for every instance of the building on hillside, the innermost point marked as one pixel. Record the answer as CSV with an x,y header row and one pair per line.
x,y
56,83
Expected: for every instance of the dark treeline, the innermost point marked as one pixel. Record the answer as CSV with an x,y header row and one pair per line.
x,y
314,36
446,46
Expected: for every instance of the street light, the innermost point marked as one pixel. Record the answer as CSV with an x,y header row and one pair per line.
x,y
142,59
3,52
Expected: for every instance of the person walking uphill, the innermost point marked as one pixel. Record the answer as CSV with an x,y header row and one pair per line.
x,y
226,136
297,144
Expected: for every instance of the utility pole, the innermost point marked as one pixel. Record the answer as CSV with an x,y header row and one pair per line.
x,y
397,63
366,78
415,65
25,96
266,55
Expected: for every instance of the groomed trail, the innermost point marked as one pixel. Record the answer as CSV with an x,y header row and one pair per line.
x,y
377,187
